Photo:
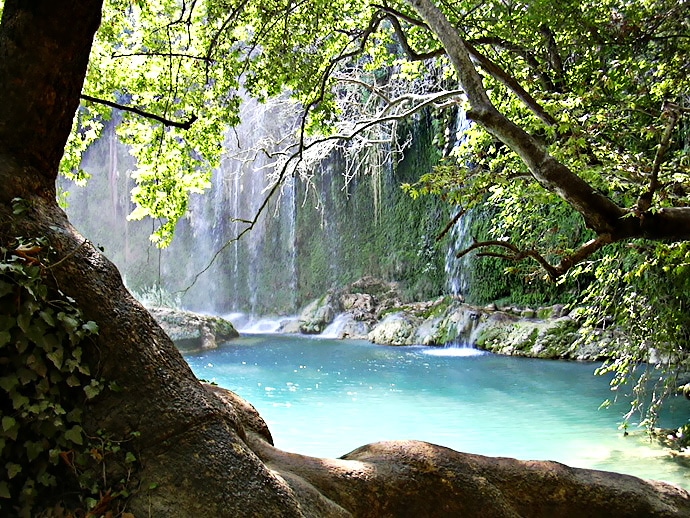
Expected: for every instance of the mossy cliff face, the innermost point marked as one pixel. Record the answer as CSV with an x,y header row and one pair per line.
x,y
370,227
310,239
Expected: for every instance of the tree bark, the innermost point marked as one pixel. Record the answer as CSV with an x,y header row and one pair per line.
x,y
190,445
43,59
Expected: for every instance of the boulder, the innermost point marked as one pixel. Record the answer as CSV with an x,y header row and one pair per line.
x,y
318,314
394,329
192,331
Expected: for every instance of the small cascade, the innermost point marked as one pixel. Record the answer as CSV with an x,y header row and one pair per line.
x,y
457,276
336,328
467,327
247,324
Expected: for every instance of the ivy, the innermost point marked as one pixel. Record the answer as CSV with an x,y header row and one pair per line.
x,y
44,385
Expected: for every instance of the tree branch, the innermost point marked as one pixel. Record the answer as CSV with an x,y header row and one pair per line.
x,y
525,54
501,75
489,66
517,254
161,54
185,125
672,112
374,23
600,213
450,224
554,56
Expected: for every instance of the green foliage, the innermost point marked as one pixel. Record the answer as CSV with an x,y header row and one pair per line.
x,y
522,283
642,290
45,386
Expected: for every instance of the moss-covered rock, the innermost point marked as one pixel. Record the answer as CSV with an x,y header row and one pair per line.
x,y
193,331
316,316
395,329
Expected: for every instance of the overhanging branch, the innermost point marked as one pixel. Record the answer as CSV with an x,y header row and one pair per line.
x,y
672,112
489,66
601,213
185,125
516,254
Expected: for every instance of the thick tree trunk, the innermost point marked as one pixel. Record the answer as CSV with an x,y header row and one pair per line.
x,y
189,444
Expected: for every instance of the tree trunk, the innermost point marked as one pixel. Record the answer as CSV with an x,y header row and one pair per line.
x,y
189,444
204,454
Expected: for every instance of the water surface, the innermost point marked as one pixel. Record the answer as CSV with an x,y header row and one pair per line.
x,y
327,397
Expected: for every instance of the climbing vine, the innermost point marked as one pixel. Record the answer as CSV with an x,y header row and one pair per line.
x,y
45,384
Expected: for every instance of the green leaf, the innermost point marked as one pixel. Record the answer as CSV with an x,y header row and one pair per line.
x,y
5,338
47,316
74,435
7,383
4,490
73,381
33,449
19,401
56,357
36,364
130,458
8,423
24,321
93,389
13,469
91,327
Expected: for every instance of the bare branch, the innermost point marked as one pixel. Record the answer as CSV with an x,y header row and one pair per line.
x,y
489,66
517,254
372,88
166,122
672,112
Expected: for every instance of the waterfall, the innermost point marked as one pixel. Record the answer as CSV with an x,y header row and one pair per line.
x,y
321,232
457,270
457,276
240,185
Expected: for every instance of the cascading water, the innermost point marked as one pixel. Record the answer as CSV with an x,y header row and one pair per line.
x,y
317,235
458,282
456,268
